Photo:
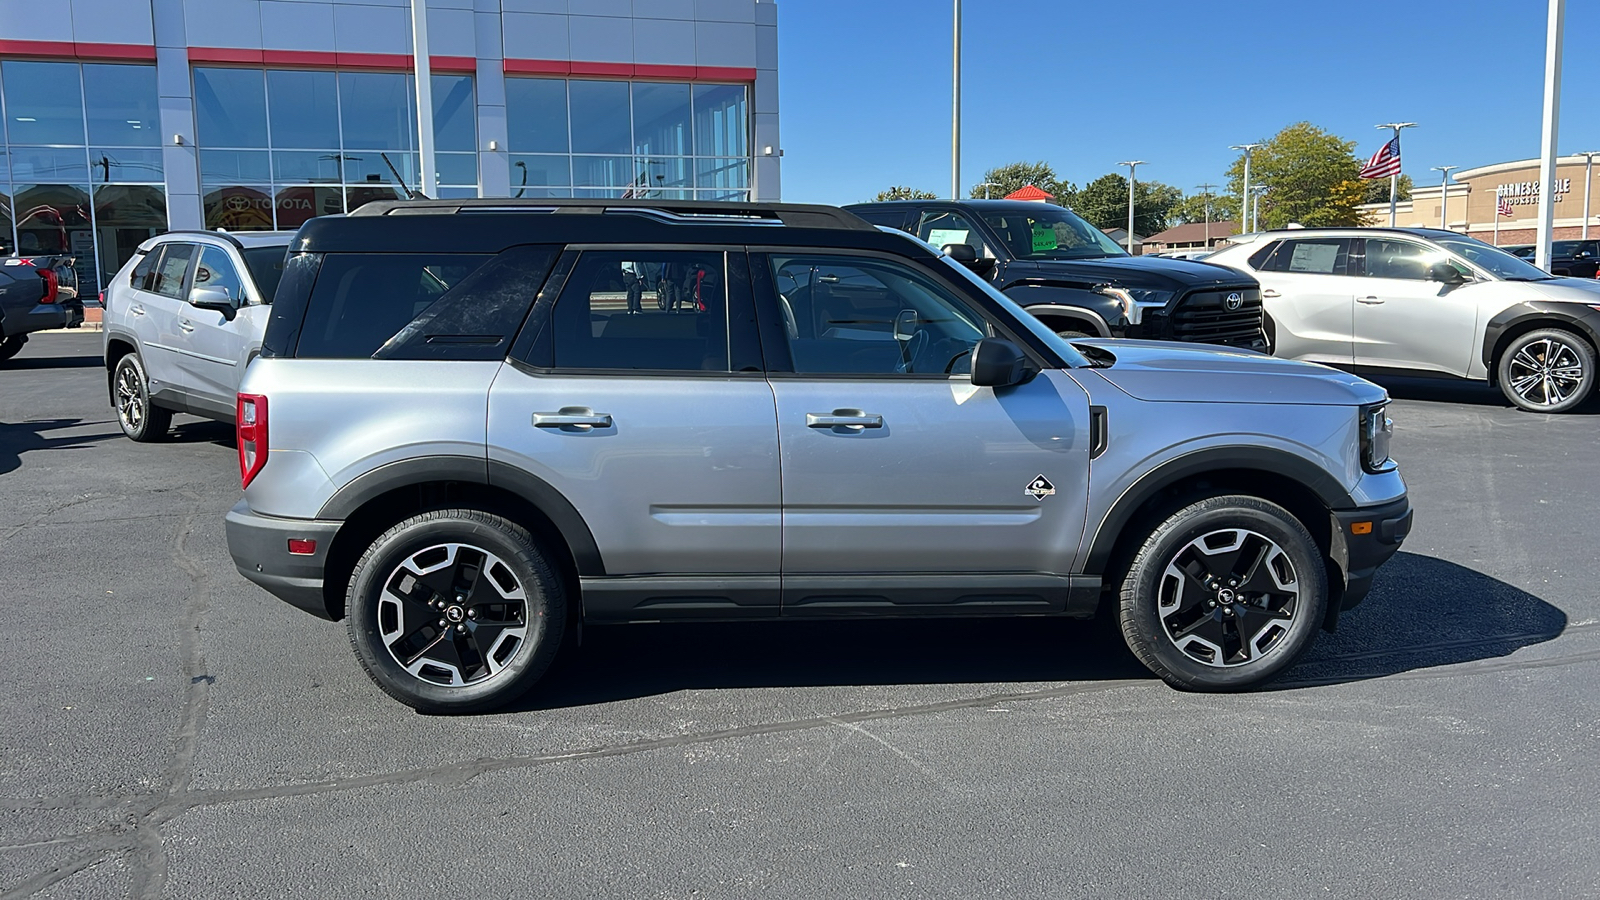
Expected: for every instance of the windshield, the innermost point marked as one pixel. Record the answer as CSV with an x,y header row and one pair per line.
x,y
266,268
1499,263
1050,232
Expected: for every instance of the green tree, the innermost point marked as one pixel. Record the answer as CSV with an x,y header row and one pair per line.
x,y
1193,208
1006,179
1309,176
901,192
1104,203
1378,189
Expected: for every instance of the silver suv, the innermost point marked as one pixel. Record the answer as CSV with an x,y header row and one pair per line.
x,y
475,425
183,318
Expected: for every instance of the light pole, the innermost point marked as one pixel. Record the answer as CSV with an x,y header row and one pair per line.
x,y
1444,194
1255,210
1133,165
986,185
1244,195
424,76
1207,188
1552,125
1588,185
1394,180
955,106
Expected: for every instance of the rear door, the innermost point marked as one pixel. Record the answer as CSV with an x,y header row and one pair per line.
x,y
1404,320
153,313
1308,291
637,394
906,488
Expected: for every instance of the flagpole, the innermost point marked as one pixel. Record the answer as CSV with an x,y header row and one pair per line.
x,y
1394,180
1497,217
1552,117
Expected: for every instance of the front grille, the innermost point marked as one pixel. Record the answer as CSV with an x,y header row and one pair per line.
x,y
1204,317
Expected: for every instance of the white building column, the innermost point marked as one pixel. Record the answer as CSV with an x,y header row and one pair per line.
x,y
179,160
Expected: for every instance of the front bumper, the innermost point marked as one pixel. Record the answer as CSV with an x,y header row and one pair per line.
x,y
260,549
1363,540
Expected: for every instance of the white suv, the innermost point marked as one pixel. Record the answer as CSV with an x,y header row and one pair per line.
x,y
183,318
1425,301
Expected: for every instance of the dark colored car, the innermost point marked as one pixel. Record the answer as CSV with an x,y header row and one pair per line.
x,y
1075,279
36,293
1575,259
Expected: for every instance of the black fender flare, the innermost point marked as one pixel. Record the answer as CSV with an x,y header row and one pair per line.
x,y
1216,459
1042,296
472,470
1516,319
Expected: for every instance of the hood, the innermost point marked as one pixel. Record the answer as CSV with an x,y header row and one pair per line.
x,y
1170,372
1569,290
1144,271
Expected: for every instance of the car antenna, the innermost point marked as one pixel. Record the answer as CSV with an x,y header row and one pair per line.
x,y
410,194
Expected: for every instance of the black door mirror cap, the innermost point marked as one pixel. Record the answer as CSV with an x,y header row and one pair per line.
x,y
996,362
1445,273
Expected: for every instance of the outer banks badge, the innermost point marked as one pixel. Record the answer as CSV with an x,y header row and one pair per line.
x,y
1040,488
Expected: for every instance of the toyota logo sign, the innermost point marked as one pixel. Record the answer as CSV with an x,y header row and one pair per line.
x,y
1234,301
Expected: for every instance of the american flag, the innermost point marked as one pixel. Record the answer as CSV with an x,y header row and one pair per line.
x,y
1385,162
1502,206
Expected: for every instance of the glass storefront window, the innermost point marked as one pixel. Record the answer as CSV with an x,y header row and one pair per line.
x,y
124,217
375,111
600,117
314,166
661,120
455,114
603,171
121,105
43,102
720,121
296,205
457,169
49,164
357,196
536,115
234,167
540,170
722,173
239,208
125,165
54,218
305,109
230,107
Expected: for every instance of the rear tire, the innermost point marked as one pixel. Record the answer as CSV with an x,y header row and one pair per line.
x,y
141,420
1225,594
455,611
11,346
1550,371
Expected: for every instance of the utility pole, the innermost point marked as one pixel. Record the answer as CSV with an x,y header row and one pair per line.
x,y
986,185
1132,166
1552,125
1394,180
424,77
1207,188
1244,195
1444,194
955,117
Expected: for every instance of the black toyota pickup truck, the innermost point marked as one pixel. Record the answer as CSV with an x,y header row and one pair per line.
x,y
36,293
1078,281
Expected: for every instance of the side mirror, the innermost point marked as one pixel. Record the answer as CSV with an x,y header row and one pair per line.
x,y
905,325
216,299
964,254
1445,273
996,362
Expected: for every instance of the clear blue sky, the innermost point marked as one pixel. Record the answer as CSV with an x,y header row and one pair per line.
x,y
865,85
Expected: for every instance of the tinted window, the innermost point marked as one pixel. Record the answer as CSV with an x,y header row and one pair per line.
x,y
230,108
478,317
266,268
142,273
217,273
1320,256
43,100
1398,259
943,228
853,316
362,299
168,280
1050,232
643,310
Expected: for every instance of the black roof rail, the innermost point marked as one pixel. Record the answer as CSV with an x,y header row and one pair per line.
x,y
706,212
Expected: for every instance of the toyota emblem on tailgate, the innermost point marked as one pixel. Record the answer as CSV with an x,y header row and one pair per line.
x,y
1234,301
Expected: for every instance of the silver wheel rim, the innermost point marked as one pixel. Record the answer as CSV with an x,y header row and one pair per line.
x,y
453,615
130,397
1228,598
1546,372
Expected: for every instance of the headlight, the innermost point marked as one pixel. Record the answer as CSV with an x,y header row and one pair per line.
x,y
1133,301
1376,430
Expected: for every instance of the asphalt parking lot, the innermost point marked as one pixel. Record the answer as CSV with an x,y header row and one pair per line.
x,y
171,730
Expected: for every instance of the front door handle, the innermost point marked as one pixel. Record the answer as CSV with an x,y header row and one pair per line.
x,y
852,419
1370,301
185,325
580,418
1270,293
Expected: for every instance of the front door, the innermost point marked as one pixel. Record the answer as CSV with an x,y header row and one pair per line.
x,y
1405,321
210,345
642,402
904,486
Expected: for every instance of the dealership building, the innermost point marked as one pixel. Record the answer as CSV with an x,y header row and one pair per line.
x,y
1470,206
126,118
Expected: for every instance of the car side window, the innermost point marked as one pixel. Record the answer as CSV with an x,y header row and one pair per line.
x,y
1388,258
1310,256
361,300
216,272
644,309
170,271
143,277
846,315
941,227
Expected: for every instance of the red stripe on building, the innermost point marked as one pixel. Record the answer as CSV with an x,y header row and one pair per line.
x,y
628,70
326,59
70,50
224,55
537,67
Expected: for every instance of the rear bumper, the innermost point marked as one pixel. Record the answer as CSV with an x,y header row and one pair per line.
x,y
1363,540
260,549
40,317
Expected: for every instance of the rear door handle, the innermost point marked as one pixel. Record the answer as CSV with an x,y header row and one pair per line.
x,y
136,310
1269,292
1370,301
581,418
185,325
853,419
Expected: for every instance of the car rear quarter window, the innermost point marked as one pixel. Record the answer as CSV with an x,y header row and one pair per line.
x,y
266,268
142,271
361,300
477,318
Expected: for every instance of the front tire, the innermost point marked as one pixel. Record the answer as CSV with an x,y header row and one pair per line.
x,y
1224,594
11,346
141,420
1550,371
455,611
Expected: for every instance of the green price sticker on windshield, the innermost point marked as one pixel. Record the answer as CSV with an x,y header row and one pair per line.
x,y
1044,238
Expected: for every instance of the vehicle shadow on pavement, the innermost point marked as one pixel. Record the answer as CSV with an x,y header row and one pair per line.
x,y
52,362
199,431
1425,612
17,438
1468,393
623,662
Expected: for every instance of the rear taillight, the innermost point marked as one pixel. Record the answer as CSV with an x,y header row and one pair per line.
x,y
52,285
252,427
